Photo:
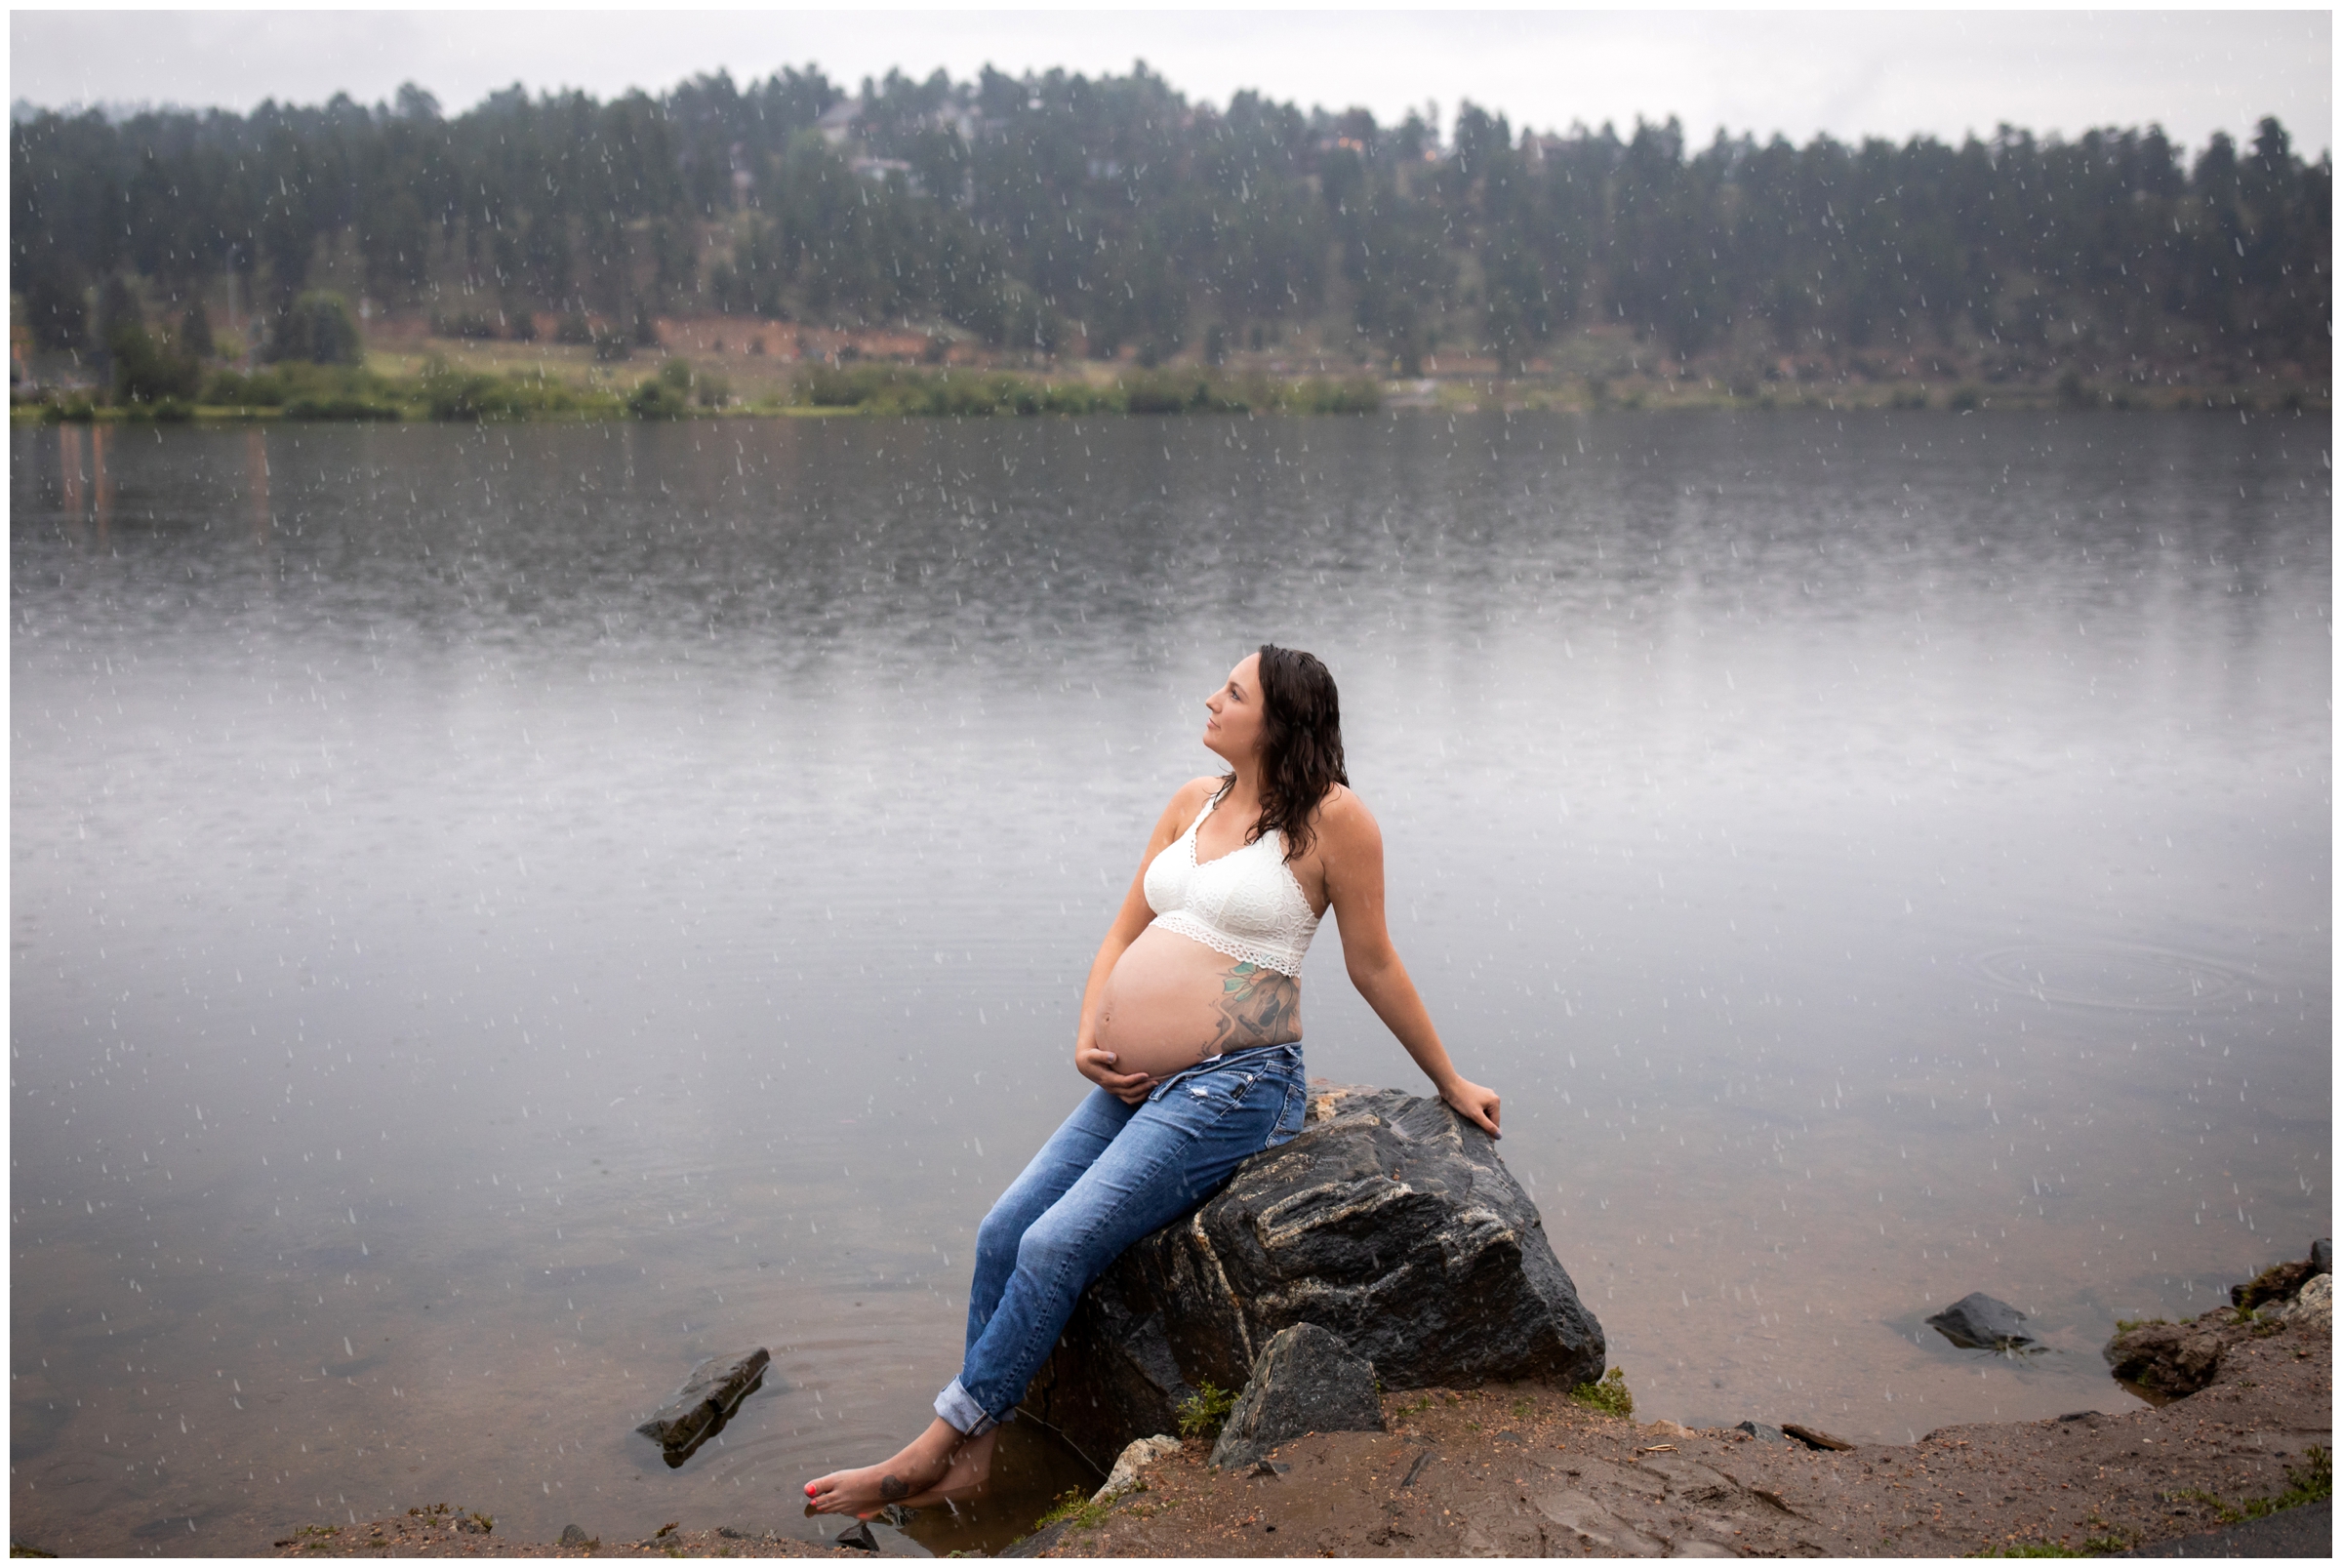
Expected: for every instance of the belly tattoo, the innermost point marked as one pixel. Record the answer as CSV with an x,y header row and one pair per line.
x,y
1257,1006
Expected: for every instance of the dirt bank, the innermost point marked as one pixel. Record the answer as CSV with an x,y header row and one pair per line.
x,y
1523,1470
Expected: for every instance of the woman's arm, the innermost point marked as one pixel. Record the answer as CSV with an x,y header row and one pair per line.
x,y
1350,849
1092,1063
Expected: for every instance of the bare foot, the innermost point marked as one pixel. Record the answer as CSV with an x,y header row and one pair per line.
x,y
921,1466
970,1468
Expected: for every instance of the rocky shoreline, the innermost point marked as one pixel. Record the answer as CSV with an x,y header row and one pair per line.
x,y
1413,1375
1524,1470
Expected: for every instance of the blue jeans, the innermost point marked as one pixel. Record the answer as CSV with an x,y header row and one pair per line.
x,y
1112,1174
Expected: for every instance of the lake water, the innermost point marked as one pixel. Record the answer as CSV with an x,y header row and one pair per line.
x,y
500,914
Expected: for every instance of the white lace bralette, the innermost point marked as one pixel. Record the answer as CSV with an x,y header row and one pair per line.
x,y
1246,904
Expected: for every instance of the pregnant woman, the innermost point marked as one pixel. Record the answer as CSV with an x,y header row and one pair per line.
x,y
1191,1028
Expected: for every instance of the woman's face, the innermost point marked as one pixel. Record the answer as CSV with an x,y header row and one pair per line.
x,y
1234,721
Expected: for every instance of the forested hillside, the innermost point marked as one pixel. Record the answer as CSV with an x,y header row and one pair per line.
x,y
1065,216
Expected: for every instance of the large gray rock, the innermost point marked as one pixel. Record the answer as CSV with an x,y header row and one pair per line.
x,y
706,1400
1389,1221
1306,1381
1980,1323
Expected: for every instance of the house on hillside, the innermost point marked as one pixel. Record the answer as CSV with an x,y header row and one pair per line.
x,y
837,123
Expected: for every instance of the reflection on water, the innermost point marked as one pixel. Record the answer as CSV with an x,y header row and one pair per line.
x,y
502,915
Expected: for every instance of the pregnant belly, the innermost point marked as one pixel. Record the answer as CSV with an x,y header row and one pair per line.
x,y
1171,1001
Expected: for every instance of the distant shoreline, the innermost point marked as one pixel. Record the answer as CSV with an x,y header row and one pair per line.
x,y
321,395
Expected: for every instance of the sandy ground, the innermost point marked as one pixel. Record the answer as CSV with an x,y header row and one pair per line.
x,y
1522,1470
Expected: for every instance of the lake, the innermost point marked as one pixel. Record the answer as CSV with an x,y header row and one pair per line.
x,y
503,914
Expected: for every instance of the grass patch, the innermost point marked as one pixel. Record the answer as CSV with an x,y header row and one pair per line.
x,y
2310,1481
2095,1547
1206,1412
1074,1508
2036,1549
1609,1397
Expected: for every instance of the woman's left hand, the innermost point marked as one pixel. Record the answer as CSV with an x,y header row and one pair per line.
x,y
1473,1104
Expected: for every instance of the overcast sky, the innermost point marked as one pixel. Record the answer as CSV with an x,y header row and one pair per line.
x,y
1850,73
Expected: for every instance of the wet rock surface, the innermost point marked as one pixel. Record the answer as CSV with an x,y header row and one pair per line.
x,y
2279,1283
706,1400
1389,1221
1981,1322
2172,1360
1306,1381
2313,1310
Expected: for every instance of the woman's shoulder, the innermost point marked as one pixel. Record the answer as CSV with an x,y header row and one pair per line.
x,y
1343,817
1191,795
1187,800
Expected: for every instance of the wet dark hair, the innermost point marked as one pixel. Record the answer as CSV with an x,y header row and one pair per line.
x,y
1301,745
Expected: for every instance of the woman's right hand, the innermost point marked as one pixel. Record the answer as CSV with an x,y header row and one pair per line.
x,y
1097,1063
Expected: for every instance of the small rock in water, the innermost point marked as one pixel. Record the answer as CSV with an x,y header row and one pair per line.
x,y
2173,1359
859,1537
573,1535
1979,1322
708,1396
2321,1254
1305,1381
1761,1433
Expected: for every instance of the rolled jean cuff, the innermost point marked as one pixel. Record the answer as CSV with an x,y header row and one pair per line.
x,y
964,1415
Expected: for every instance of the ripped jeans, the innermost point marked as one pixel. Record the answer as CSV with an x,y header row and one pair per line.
x,y
1112,1174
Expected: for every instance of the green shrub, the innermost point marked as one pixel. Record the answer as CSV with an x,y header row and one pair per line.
x,y
145,371
1165,393
319,329
231,388
1205,1411
656,399
338,406
1610,1395
447,393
